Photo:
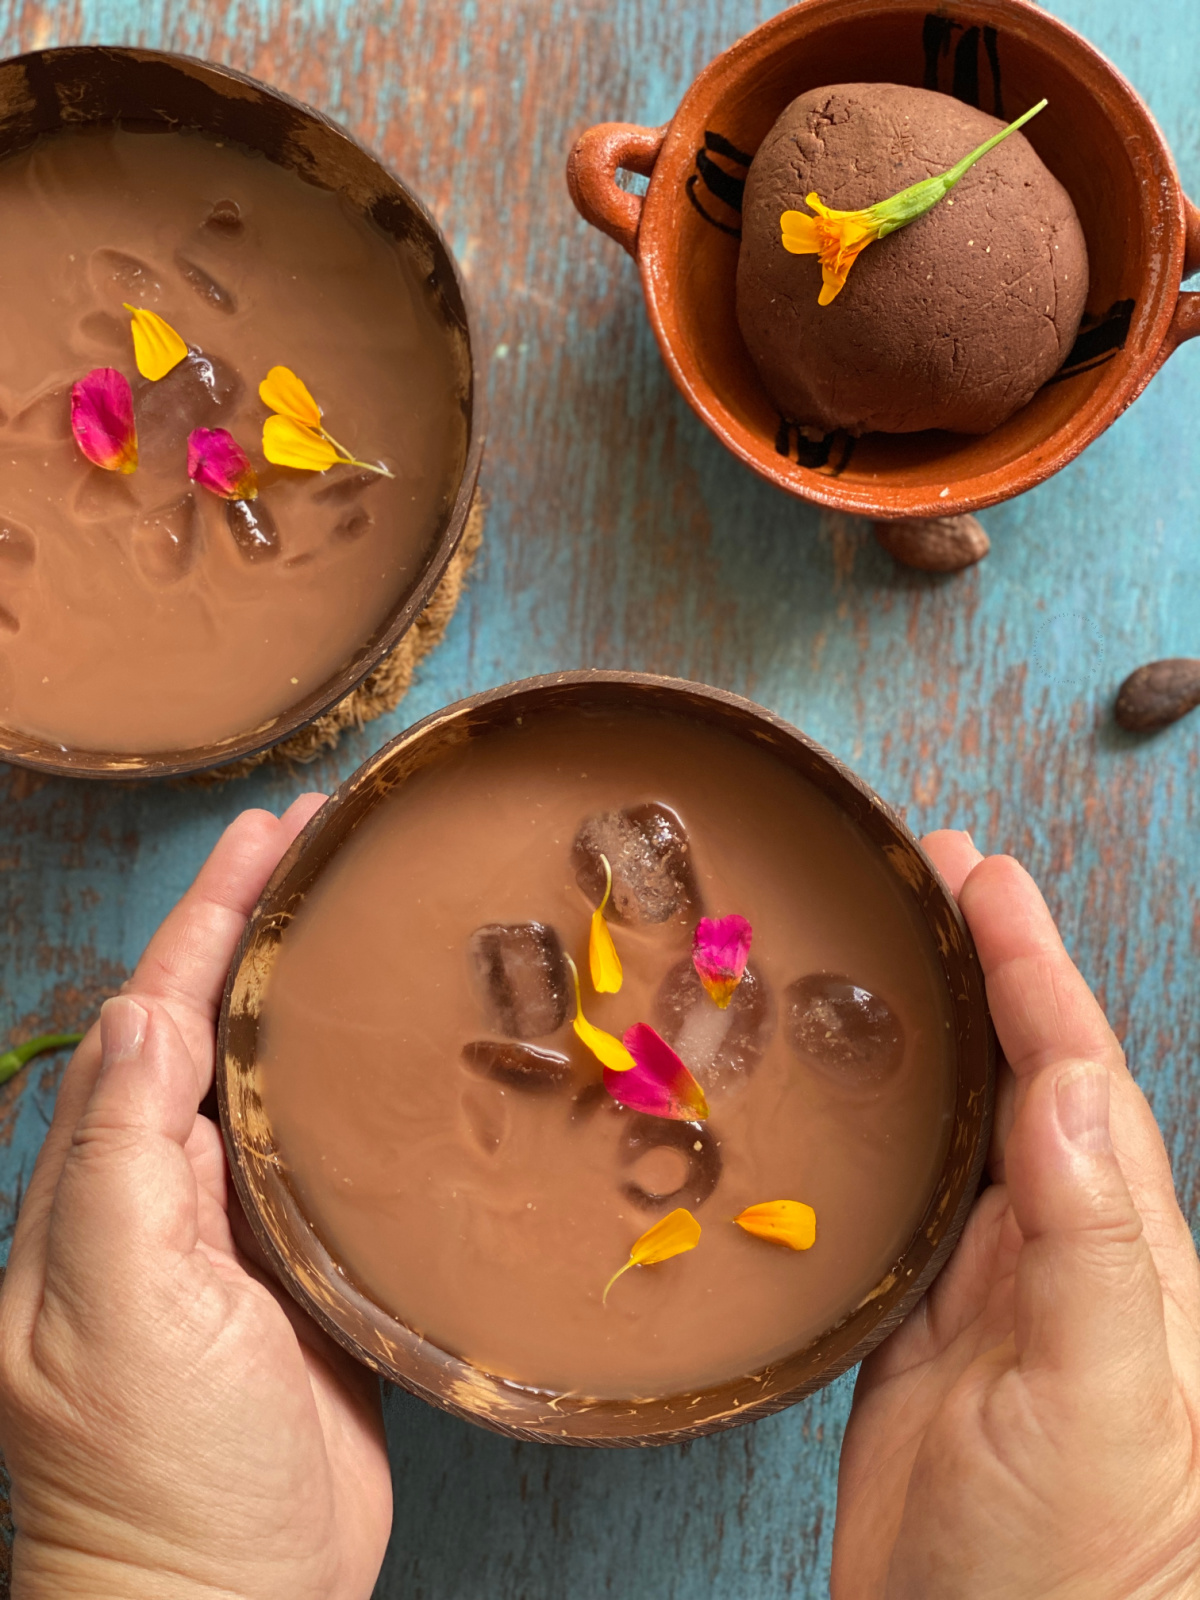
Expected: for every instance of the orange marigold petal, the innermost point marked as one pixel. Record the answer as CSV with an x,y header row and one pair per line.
x,y
837,237
788,1222
674,1235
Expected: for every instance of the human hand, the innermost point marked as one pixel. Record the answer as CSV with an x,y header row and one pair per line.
x,y
1030,1432
173,1425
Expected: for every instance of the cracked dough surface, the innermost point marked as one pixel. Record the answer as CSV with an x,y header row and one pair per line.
x,y
953,322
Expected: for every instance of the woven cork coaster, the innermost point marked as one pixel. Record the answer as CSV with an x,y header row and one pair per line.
x,y
382,690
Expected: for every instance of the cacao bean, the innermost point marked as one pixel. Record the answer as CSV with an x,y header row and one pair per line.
x,y
934,544
1159,693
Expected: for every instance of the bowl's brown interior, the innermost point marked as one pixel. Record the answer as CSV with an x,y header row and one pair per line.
x,y
403,1356
1094,136
74,86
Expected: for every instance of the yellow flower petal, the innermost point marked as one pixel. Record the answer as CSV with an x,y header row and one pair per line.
x,y
603,959
787,1222
800,235
157,348
850,229
671,1237
606,1048
832,282
838,237
289,444
815,203
282,391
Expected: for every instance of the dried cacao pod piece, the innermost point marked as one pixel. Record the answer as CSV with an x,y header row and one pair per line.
x,y
934,544
1159,693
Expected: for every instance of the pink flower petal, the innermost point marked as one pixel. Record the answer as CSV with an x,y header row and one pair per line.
x,y
102,420
658,1083
216,461
720,948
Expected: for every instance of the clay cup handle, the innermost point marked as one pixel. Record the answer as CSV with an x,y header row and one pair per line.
x,y
592,168
1185,324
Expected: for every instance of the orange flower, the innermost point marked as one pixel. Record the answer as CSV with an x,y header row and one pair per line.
x,y
839,237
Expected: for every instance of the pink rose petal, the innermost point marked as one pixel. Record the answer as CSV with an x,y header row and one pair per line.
x,y
216,461
102,420
720,949
658,1083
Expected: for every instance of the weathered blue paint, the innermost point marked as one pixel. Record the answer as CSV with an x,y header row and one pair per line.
x,y
621,534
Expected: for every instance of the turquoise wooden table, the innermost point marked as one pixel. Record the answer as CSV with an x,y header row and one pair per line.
x,y
621,534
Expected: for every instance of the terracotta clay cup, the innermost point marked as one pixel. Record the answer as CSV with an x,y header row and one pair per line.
x,y
396,1352
1143,237
76,86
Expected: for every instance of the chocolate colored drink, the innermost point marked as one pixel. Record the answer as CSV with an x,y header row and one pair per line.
x,y
141,613
451,1139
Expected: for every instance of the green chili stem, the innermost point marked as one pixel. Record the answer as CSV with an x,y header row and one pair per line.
x,y
13,1060
921,197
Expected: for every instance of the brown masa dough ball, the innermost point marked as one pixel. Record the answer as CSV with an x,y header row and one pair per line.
x,y
952,322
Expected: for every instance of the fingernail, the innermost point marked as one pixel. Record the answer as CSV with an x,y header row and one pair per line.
x,y
1081,1097
969,839
122,1028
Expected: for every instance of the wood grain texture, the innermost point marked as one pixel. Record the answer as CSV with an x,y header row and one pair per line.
x,y
621,534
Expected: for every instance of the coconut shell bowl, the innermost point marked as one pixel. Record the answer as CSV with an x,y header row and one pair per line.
x,y
1142,233
307,1267
146,90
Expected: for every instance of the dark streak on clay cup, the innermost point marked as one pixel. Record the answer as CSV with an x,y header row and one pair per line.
x,y
403,1356
91,84
1096,137
1158,694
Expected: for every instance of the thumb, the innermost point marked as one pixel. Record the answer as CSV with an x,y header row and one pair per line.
x,y
1088,1302
127,1193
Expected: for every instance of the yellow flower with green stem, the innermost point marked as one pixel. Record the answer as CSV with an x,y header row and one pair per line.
x,y
839,237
